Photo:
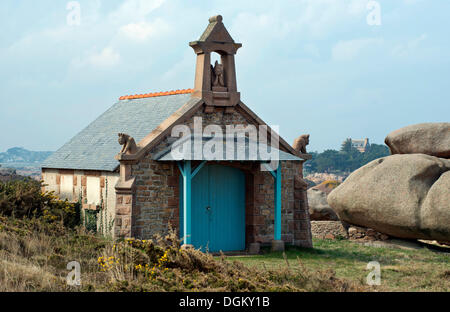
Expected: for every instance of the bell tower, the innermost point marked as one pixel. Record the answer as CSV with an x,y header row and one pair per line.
x,y
216,84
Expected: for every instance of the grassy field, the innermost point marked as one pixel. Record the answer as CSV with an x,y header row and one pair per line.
x,y
401,270
34,256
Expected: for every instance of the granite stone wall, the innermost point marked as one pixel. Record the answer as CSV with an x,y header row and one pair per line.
x,y
154,207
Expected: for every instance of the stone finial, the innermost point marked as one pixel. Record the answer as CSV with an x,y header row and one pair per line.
x,y
214,19
129,145
300,143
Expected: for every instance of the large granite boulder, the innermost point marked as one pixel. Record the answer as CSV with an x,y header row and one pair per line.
x,y
319,209
406,196
426,138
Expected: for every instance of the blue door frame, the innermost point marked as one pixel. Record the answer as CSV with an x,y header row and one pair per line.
x,y
277,192
188,175
217,209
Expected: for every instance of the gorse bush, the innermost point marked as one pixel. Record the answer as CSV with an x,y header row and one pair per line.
x,y
330,184
161,265
24,198
20,198
55,209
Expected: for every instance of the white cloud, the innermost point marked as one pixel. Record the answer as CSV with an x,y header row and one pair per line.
x,y
408,48
309,18
311,50
350,49
132,10
320,17
357,7
291,37
410,2
184,68
144,30
106,58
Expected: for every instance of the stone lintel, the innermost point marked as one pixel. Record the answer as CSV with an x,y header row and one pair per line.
x,y
126,187
202,47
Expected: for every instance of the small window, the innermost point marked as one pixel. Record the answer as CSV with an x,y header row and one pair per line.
x,y
93,190
66,191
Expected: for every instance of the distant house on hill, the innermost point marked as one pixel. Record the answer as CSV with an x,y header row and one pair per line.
x,y
361,145
219,203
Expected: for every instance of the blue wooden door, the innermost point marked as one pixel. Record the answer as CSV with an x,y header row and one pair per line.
x,y
201,210
218,209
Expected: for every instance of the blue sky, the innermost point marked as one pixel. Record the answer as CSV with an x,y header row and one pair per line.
x,y
309,66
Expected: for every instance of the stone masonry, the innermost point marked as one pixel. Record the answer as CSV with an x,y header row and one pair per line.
x,y
154,207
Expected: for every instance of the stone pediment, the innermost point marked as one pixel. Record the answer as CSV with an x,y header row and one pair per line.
x,y
216,31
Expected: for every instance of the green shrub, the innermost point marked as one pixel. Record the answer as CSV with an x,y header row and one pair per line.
x,y
24,198
347,159
20,198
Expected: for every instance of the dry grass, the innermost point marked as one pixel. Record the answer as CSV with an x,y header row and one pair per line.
x,y
34,255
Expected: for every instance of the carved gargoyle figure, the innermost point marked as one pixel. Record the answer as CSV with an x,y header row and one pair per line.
x,y
217,75
300,183
300,143
129,145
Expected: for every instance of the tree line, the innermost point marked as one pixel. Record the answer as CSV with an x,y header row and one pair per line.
x,y
347,159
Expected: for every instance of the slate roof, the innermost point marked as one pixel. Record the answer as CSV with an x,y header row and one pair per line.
x,y
94,147
240,150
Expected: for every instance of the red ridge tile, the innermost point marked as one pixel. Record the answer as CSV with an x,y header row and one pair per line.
x,y
155,94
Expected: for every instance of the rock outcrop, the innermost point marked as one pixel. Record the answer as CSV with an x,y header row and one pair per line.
x,y
364,234
317,201
425,138
406,196
328,230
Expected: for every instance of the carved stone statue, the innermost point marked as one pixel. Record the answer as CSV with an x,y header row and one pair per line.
x,y
300,183
300,143
217,75
129,145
